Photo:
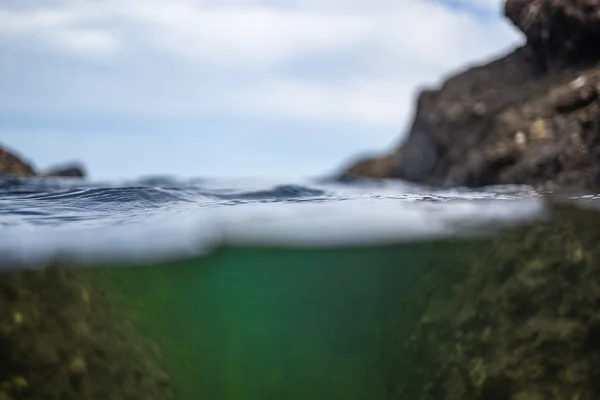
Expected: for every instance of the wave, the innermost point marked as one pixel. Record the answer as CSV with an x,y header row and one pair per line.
x,y
141,221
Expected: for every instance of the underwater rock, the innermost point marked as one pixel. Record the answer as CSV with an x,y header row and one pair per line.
x,y
522,322
530,117
61,338
14,165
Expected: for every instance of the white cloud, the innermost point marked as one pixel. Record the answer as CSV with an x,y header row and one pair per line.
x,y
179,57
369,101
250,34
58,28
88,42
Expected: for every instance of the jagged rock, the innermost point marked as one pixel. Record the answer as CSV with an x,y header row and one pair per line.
x,y
72,170
530,117
11,164
558,30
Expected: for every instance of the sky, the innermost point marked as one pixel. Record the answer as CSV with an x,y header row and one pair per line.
x,y
227,88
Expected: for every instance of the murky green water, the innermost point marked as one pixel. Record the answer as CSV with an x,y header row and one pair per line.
x,y
265,323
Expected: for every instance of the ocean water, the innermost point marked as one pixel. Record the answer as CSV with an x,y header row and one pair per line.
x,y
253,289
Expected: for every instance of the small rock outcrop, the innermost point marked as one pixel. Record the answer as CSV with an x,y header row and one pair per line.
x,y
70,170
11,164
14,165
530,117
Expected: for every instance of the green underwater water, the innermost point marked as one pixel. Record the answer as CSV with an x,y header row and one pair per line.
x,y
275,323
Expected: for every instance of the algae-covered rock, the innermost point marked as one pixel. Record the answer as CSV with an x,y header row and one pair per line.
x,y
60,338
524,323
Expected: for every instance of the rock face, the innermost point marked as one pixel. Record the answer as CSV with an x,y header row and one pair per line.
x,y
530,117
561,32
11,164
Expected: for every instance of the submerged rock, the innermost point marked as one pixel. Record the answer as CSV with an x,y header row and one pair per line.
x,y
530,117
61,337
520,320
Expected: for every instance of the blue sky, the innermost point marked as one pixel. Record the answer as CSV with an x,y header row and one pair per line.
x,y
267,88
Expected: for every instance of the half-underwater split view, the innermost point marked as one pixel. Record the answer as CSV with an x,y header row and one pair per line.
x,y
325,200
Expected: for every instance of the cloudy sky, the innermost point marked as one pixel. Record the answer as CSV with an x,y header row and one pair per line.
x,y
270,88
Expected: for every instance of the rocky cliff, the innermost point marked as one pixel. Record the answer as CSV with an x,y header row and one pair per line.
x,y
530,117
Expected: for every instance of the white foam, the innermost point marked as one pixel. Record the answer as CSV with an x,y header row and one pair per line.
x,y
191,230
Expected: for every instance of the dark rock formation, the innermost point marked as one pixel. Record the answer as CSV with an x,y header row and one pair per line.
x,y
71,170
531,117
519,320
560,32
12,164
